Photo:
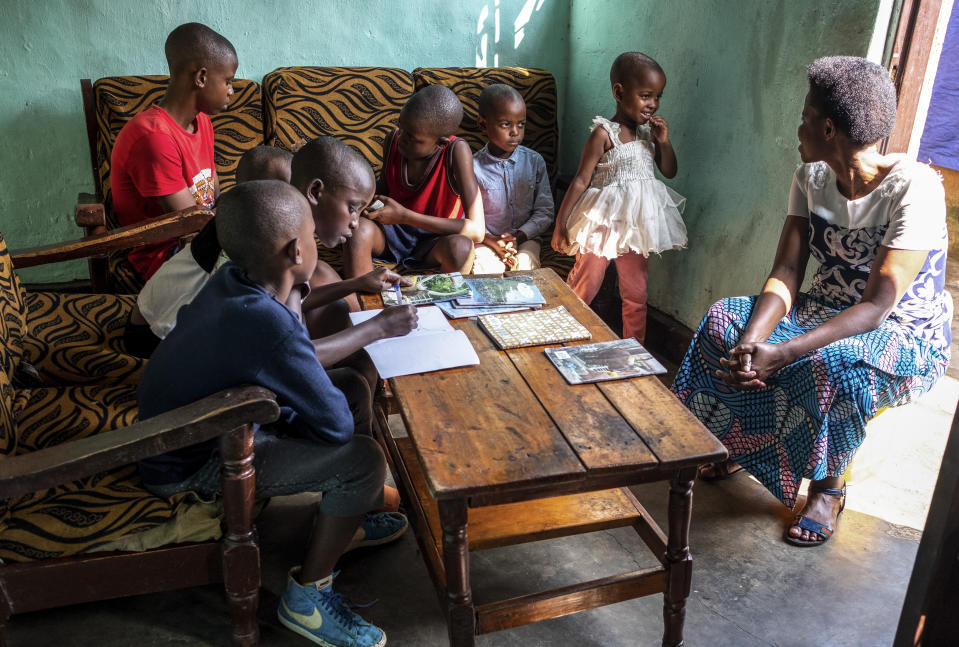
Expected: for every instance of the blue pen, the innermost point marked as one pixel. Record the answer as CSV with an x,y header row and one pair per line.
x,y
399,295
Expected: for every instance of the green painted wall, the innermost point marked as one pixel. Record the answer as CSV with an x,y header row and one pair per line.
x,y
735,86
46,47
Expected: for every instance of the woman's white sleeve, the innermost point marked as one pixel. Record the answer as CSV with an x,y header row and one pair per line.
x,y
918,213
798,201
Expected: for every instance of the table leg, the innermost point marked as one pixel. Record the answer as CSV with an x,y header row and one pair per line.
x,y
460,616
679,563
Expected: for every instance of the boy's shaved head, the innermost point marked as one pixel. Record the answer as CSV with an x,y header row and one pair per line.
x,y
197,44
435,107
328,159
629,65
496,95
264,163
256,219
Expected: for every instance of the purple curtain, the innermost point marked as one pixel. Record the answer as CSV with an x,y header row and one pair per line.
x,y
940,136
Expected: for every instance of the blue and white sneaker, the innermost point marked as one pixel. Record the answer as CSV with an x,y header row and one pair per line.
x,y
379,528
324,617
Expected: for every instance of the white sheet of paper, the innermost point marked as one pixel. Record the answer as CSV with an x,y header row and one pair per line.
x,y
433,345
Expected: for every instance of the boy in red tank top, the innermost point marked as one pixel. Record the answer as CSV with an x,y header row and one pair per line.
x,y
163,158
432,211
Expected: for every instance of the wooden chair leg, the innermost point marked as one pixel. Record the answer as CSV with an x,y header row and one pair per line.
x,y
99,265
241,555
99,274
5,611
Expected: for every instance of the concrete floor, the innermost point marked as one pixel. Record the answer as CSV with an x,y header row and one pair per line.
x,y
749,587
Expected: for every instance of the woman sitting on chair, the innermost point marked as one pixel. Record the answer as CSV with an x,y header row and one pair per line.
x,y
787,380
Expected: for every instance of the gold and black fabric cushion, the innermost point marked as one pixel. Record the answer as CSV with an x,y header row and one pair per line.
x,y
333,256
117,100
37,327
357,105
81,516
123,278
51,415
78,338
13,326
77,517
559,263
538,88
236,130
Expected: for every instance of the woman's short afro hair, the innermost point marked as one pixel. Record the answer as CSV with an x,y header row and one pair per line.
x,y
856,94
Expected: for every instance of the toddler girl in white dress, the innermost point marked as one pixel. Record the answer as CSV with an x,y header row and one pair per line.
x,y
615,208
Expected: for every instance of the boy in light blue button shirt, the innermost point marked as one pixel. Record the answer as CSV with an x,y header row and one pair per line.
x,y
514,184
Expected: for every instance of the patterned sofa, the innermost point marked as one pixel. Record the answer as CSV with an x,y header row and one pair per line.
x,y
81,384
359,105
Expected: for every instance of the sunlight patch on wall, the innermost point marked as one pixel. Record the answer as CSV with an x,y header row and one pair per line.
x,y
489,25
523,18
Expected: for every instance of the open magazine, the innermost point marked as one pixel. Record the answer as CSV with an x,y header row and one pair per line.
x,y
607,360
517,290
428,288
450,309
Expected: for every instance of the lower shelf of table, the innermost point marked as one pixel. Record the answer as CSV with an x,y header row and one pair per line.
x,y
517,523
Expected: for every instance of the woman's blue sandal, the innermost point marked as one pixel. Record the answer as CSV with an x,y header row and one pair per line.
x,y
813,526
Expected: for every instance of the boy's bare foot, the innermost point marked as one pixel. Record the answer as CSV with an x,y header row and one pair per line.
x,y
817,521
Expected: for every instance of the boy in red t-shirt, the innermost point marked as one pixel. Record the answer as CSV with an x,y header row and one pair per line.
x,y
163,158
427,179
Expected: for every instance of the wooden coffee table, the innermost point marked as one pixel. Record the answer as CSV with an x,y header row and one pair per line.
x,y
507,452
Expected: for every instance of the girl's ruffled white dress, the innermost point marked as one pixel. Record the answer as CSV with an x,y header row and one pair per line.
x,y
626,208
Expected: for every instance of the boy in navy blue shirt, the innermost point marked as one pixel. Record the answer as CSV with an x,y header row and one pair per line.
x,y
244,327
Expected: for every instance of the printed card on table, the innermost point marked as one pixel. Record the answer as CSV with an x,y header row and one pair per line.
x,y
608,360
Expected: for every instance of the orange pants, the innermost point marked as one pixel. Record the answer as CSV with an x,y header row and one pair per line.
x,y
586,278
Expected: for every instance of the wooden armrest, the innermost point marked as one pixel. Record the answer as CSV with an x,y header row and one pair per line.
x,y
155,230
188,425
89,212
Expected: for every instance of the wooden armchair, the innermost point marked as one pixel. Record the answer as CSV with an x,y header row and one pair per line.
x,y
44,583
68,441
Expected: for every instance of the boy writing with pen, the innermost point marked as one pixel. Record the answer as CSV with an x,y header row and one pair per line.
x,y
319,445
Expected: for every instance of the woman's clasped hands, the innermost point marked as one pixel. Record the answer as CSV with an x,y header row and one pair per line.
x,y
751,364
